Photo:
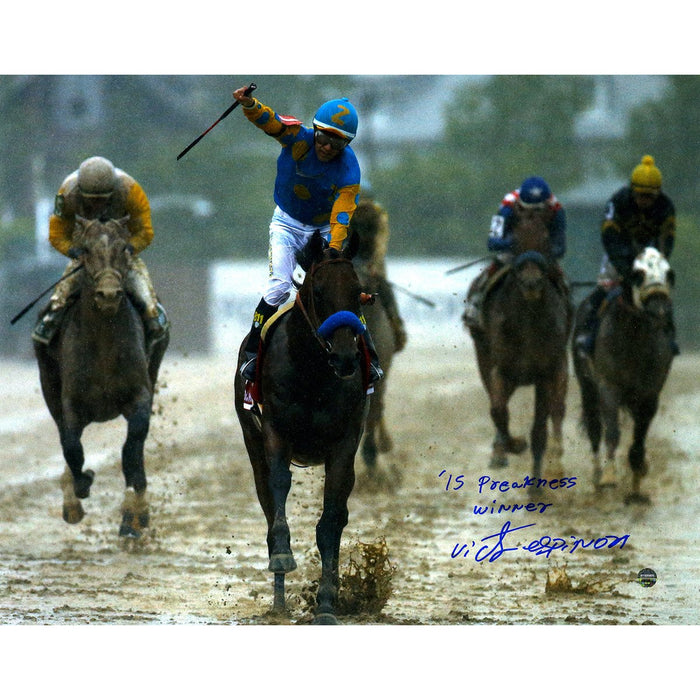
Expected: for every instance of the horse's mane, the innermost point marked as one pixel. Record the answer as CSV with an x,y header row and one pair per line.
x,y
371,223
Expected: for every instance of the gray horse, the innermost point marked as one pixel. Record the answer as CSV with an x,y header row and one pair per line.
x,y
630,363
97,368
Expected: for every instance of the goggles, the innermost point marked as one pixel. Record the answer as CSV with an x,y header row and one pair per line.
x,y
324,138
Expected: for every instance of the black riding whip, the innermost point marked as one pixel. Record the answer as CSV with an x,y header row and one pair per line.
x,y
469,264
248,90
418,297
46,291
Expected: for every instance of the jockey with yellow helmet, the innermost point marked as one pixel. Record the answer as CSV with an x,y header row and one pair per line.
x,y
316,188
638,215
98,190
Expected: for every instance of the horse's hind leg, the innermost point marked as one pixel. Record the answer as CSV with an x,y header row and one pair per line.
x,y
134,507
642,415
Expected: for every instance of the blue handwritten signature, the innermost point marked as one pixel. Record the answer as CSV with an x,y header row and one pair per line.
x,y
542,546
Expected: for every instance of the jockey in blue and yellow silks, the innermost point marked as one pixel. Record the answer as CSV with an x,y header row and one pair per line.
x,y
317,187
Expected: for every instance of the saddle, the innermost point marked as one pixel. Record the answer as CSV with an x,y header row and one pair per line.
x,y
253,398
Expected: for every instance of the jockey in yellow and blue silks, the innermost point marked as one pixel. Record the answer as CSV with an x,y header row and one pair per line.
x,y
317,187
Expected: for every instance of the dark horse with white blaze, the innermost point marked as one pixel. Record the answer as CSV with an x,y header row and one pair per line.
x,y
523,341
312,386
631,360
97,368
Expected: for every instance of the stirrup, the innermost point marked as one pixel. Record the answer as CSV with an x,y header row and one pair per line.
x,y
376,373
248,368
45,330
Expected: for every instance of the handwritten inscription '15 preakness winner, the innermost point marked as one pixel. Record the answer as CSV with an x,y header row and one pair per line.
x,y
493,546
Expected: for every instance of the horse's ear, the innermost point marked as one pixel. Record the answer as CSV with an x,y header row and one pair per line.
x,y
312,252
352,245
123,230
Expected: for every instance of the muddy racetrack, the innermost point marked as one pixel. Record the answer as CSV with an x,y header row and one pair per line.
x,y
204,558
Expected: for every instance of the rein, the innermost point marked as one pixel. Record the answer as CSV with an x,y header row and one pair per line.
x,y
310,315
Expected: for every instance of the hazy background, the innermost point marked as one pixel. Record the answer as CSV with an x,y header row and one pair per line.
x,y
438,151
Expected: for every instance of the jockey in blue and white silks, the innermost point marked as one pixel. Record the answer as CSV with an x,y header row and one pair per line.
x,y
533,201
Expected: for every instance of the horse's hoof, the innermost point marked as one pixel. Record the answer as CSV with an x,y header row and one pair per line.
x,y
129,532
132,525
325,619
637,499
73,514
282,563
516,445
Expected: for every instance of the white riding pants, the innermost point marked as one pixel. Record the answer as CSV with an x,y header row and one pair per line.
x,y
287,236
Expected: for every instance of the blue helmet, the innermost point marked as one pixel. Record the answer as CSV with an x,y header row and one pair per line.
x,y
339,116
534,192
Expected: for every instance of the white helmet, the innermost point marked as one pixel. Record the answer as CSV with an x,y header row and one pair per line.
x,y
96,177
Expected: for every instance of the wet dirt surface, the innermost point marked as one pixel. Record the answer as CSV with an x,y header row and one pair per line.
x,y
203,561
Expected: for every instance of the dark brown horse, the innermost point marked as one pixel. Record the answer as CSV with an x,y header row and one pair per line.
x,y
96,369
526,323
370,225
630,363
312,388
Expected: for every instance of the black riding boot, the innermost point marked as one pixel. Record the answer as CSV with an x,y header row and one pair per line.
x,y
48,324
262,313
376,373
585,340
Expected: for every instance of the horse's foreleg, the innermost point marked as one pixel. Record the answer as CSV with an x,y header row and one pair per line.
x,y
340,478
75,483
369,444
642,415
557,411
279,481
500,391
609,411
538,432
134,507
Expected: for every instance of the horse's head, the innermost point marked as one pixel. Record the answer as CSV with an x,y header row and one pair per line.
x,y
531,230
651,282
103,248
531,274
330,298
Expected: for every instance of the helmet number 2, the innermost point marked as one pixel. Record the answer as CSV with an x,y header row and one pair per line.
x,y
339,116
